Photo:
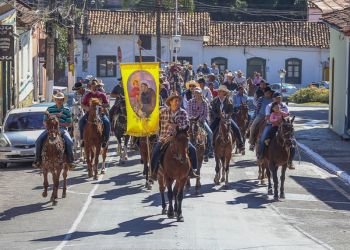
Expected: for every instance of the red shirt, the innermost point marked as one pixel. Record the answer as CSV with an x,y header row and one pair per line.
x,y
214,92
97,94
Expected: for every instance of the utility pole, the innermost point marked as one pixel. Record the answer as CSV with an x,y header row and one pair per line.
x,y
70,59
50,52
159,43
176,26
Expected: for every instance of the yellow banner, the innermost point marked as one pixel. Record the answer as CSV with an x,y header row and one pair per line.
x,y
141,89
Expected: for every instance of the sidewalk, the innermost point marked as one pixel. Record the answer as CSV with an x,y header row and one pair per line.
x,y
314,136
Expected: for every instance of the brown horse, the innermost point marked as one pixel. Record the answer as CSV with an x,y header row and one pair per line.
x,y
198,138
242,120
278,154
263,169
145,151
53,158
251,87
176,167
223,145
93,139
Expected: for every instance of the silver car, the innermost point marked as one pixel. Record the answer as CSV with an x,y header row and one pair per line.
x,y
18,134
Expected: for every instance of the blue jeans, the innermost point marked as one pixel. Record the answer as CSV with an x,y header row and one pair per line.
x,y
68,145
106,126
156,154
265,134
235,129
209,147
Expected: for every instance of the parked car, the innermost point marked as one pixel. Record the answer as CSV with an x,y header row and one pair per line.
x,y
321,84
287,90
19,133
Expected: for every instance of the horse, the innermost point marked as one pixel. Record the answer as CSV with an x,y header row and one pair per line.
x,y
54,159
175,167
278,154
118,118
77,114
263,169
198,138
223,145
145,147
93,138
251,87
242,119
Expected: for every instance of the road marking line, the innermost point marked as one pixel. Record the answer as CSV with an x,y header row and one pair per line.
x,y
80,216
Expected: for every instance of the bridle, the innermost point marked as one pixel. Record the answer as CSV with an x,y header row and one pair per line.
x,y
197,134
286,134
224,122
182,158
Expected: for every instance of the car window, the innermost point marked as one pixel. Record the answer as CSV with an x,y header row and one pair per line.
x,y
24,121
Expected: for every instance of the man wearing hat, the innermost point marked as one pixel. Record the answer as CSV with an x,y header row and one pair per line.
x,y
188,94
65,120
260,91
100,85
206,93
240,79
172,117
79,92
198,107
147,98
222,104
212,79
259,115
230,83
86,105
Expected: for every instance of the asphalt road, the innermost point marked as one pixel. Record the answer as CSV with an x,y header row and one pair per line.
x,y
117,212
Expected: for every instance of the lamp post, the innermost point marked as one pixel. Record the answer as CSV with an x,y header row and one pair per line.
x,y
282,73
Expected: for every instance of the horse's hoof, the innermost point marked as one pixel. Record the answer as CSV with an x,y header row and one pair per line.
x,y
44,194
164,211
63,196
222,180
54,203
170,214
95,178
269,192
262,182
282,196
275,198
180,218
144,172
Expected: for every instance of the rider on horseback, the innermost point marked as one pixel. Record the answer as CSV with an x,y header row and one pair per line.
x,y
222,104
198,107
172,117
85,104
65,120
239,98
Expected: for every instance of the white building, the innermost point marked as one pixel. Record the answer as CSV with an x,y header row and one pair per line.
x,y
299,47
339,111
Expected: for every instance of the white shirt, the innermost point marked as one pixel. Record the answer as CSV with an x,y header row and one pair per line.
x,y
283,107
207,94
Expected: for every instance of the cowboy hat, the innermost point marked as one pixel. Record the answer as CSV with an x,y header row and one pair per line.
x,y
189,83
100,83
58,95
171,97
239,72
229,74
77,85
223,88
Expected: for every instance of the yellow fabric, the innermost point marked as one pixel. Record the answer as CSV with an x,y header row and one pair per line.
x,y
133,75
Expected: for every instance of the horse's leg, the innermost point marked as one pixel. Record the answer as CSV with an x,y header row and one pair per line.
x,y
104,156
162,191
126,140
55,187
223,168
269,187
217,170
88,160
198,180
175,193
274,169
283,177
97,154
65,174
46,182
188,184
169,184
180,197
227,168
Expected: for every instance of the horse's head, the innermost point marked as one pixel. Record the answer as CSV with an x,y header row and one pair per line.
x,y
94,109
243,108
181,141
196,131
224,127
286,131
52,125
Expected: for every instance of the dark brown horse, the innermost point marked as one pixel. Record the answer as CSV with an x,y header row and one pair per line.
x,y
93,137
176,167
198,138
223,145
251,87
278,154
242,119
263,169
145,151
54,159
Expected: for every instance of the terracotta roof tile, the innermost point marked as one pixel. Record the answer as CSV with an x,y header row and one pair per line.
x,y
327,6
339,19
269,34
125,22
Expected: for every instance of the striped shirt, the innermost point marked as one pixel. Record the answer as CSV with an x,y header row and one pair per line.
x,y
168,117
198,109
64,114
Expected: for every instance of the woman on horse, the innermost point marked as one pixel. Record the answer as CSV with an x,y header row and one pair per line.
x,y
222,104
198,107
105,104
171,117
65,119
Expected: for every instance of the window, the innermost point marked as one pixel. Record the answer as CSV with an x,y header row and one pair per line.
x,y
221,62
145,59
293,68
256,64
183,59
106,66
146,42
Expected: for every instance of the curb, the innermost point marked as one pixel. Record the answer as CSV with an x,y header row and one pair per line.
x,y
323,163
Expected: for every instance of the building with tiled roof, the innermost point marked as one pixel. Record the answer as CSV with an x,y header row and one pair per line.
x,y
339,19
327,6
299,47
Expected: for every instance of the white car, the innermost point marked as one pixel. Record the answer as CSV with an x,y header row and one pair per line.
x,y
286,90
18,134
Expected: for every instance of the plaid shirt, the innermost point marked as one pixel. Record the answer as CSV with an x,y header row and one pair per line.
x,y
195,109
167,117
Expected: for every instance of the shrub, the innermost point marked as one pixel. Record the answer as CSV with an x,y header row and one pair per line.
x,y
311,94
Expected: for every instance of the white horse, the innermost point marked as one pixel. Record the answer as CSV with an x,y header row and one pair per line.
x,y
77,114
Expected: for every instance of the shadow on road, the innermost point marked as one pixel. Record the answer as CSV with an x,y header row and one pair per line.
x,y
22,210
244,164
136,227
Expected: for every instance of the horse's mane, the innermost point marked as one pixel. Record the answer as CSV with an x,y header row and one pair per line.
x,y
95,101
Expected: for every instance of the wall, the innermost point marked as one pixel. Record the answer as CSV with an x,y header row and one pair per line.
x,y
339,51
275,59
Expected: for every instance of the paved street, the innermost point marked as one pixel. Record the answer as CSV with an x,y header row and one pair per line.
x,y
116,212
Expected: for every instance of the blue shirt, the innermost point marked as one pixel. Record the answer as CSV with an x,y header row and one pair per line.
x,y
238,99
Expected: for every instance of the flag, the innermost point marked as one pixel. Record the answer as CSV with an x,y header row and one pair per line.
x,y
141,89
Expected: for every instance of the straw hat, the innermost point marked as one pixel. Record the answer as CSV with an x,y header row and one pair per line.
x,y
58,95
223,88
193,82
171,97
100,83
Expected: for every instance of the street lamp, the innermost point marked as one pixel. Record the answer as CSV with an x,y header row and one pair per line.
x,y
282,73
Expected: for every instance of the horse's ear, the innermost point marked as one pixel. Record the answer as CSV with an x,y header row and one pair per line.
x,y
292,119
